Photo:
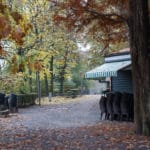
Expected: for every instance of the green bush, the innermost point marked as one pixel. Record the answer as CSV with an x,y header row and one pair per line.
x,y
72,93
25,100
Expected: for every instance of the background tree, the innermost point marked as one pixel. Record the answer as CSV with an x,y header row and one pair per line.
x,y
43,46
65,58
13,27
79,70
111,22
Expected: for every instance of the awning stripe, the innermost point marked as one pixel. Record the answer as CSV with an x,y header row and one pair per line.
x,y
107,69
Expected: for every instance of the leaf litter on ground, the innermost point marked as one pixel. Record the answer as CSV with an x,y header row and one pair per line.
x,y
105,135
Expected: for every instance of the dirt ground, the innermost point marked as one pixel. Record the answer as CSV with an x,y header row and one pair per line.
x,y
59,113
67,124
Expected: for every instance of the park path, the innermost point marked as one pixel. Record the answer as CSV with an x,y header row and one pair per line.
x,y
74,125
80,112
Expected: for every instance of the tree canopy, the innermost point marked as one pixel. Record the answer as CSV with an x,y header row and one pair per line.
x,y
111,22
103,20
13,26
42,42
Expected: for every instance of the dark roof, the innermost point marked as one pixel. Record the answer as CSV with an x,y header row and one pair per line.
x,y
120,52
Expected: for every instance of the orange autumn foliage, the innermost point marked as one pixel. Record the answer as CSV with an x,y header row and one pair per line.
x,y
17,35
12,26
16,16
5,27
37,65
2,52
104,20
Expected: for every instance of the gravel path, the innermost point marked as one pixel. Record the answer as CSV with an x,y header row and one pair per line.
x,y
69,126
84,111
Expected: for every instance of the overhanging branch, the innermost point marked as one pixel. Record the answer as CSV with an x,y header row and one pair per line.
x,y
111,16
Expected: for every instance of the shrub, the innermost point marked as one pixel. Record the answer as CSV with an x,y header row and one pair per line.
x,y
72,93
25,100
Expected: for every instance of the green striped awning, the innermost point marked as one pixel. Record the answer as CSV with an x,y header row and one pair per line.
x,y
107,69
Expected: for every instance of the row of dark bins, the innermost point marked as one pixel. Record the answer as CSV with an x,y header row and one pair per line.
x,y
9,102
117,106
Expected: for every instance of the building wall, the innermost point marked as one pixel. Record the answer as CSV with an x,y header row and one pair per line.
x,y
123,82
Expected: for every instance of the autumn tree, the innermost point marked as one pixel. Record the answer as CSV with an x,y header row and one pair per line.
x,y
52,43
36,50
65,59
43,46
13,27
111,22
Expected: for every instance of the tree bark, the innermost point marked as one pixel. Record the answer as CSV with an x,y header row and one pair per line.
x,y
62,85
62,76
140,52
38,86
63,71
30,81
52,77
46,84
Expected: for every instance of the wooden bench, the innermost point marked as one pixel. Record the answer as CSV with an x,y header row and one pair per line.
x,y
4,113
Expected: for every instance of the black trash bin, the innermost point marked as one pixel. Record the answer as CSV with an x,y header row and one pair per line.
x,y
2,99
6,101
12,101
3,109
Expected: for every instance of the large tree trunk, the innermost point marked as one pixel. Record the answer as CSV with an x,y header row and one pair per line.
x,y
140,52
